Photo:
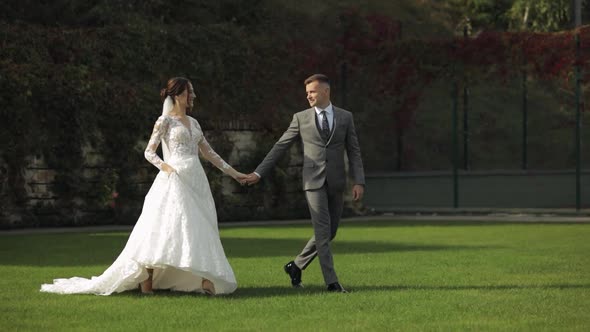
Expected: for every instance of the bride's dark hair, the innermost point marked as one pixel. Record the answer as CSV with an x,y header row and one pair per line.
x,y
174,87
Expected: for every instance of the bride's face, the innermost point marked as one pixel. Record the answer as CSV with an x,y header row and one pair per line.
x,y
186,98
190,96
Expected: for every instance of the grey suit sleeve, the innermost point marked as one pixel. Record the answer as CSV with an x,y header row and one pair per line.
x,y
353,151
280,147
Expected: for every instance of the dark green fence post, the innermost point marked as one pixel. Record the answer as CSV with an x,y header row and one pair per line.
x,y
525,120
455,146
578,127
455,97
465,112
400,148
343,84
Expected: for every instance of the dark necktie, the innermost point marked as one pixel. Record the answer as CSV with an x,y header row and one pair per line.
x,y
325,126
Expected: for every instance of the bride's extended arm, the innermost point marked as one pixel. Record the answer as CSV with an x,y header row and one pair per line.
x,y
208,153
150,154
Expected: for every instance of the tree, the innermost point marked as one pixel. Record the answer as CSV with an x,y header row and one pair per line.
x,y
515,15
540,15
481,14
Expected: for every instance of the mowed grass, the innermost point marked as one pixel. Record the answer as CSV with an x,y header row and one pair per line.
x,y
406,276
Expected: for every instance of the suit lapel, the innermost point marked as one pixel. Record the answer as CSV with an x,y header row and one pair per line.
x,y
337,119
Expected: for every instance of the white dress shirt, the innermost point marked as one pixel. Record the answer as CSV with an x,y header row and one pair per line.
x,y
329,113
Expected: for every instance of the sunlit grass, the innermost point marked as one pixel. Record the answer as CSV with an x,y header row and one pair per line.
x,y
401,276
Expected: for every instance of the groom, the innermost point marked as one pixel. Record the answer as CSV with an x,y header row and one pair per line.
x,y
326,132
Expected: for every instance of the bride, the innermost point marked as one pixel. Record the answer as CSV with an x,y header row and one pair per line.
x,y
175,243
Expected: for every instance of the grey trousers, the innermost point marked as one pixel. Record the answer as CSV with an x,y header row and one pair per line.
x,y
325,207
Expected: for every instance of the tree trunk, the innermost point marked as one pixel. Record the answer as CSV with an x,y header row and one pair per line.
x,y
525,18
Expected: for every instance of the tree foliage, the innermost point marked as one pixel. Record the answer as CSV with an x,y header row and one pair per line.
x,y
516,15
540,15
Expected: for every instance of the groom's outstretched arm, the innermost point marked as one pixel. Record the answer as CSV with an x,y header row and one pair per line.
x,y
279,149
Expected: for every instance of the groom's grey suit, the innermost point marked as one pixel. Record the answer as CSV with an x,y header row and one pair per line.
x,y
324,177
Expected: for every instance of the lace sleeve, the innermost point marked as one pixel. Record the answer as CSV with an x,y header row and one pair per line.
x,y
150,154
208,153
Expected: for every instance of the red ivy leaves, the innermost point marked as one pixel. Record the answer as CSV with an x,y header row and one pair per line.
x,y
401,70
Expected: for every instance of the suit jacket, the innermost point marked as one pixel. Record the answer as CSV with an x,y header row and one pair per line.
x,y
322,161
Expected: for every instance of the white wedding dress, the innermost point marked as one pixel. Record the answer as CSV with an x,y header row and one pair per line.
x,y
177,232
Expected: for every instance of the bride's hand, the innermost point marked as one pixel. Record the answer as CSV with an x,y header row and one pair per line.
x,y
168,169
241,178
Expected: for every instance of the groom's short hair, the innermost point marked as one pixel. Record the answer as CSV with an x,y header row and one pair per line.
x,y
317,77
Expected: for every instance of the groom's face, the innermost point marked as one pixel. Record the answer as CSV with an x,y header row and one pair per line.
x,y
318,94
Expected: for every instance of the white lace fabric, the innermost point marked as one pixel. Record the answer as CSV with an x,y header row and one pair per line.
x,y
177,233
181,140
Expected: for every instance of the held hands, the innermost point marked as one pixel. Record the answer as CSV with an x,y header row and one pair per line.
x,y
248,179
240,177
251,179
357,192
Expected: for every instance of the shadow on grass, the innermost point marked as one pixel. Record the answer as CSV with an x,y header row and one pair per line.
x,y
316,290
393,223
249,292
264,247
451,223
87,250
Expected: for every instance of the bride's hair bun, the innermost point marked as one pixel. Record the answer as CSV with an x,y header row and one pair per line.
x,y
174,87
163,94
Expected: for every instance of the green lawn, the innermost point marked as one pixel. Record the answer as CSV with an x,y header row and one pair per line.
x,y
401,276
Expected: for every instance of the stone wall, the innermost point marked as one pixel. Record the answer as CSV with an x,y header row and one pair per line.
x,y
98,201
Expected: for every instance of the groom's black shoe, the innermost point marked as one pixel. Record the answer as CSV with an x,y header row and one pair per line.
x,y
336,287
295,273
